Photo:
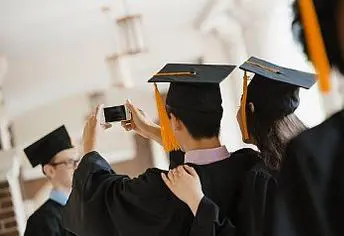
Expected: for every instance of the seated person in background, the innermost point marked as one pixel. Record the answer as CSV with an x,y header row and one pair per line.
x,y
269,105
59,159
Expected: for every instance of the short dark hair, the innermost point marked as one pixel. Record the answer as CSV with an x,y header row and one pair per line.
x,y
326,11
200,125
272,134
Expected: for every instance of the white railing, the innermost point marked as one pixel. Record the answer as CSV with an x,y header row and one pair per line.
x,y
10,173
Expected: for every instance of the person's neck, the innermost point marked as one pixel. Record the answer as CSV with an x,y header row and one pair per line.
x,y
59,188
199,144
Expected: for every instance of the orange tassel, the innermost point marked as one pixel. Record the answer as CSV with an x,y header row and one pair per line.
x,y
243,107
168,139
315,43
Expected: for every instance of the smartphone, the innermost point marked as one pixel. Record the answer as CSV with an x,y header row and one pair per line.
x,y
117,113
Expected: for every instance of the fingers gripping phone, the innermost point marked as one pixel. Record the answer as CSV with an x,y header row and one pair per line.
x,y
117,113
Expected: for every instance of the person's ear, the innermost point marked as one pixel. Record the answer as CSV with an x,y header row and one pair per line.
x,y
176,123
49,171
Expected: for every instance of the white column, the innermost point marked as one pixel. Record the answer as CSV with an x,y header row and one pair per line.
x,y
15,189
5,136
160,158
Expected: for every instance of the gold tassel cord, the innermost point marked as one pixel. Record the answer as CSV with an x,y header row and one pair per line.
x,y
243,107
273,70
168,139
315,43
175,73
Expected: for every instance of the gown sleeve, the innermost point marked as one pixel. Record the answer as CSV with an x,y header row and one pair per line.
x,y
207,221
104,203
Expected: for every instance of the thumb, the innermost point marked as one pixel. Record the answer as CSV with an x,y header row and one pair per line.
x,y
132,108
99,110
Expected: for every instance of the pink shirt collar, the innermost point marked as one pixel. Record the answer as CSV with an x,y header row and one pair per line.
x,y
206,156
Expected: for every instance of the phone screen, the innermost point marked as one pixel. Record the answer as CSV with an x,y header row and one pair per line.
x,y
116,113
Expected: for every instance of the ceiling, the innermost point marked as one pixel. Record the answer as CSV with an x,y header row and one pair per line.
x,y
57,48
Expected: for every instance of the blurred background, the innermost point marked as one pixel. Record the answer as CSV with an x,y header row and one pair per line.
x,y
58,59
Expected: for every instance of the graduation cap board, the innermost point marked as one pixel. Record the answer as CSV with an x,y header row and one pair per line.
x,y
274,90
193,88
315,43
43,150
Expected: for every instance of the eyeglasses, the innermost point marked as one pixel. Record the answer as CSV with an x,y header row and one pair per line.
x,y
71,163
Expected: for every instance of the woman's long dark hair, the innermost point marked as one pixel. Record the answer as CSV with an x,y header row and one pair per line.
x,y
271,135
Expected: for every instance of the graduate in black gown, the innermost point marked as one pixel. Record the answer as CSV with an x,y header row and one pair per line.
x,y
58,159
272,97
311,200
105,203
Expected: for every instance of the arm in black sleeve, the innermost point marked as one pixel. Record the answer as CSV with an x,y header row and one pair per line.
x,y
207,221
105,203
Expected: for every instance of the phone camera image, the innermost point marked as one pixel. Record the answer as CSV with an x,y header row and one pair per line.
x,y
115,113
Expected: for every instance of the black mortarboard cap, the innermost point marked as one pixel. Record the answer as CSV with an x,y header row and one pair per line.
x,y
43,150
194,87
274,90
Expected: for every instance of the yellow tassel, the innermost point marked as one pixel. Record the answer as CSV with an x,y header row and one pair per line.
x,y
243,107
168,139
315,43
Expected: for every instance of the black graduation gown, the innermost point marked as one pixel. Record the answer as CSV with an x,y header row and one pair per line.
x,y
46,221
255,208
311,199
176,158
105,203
